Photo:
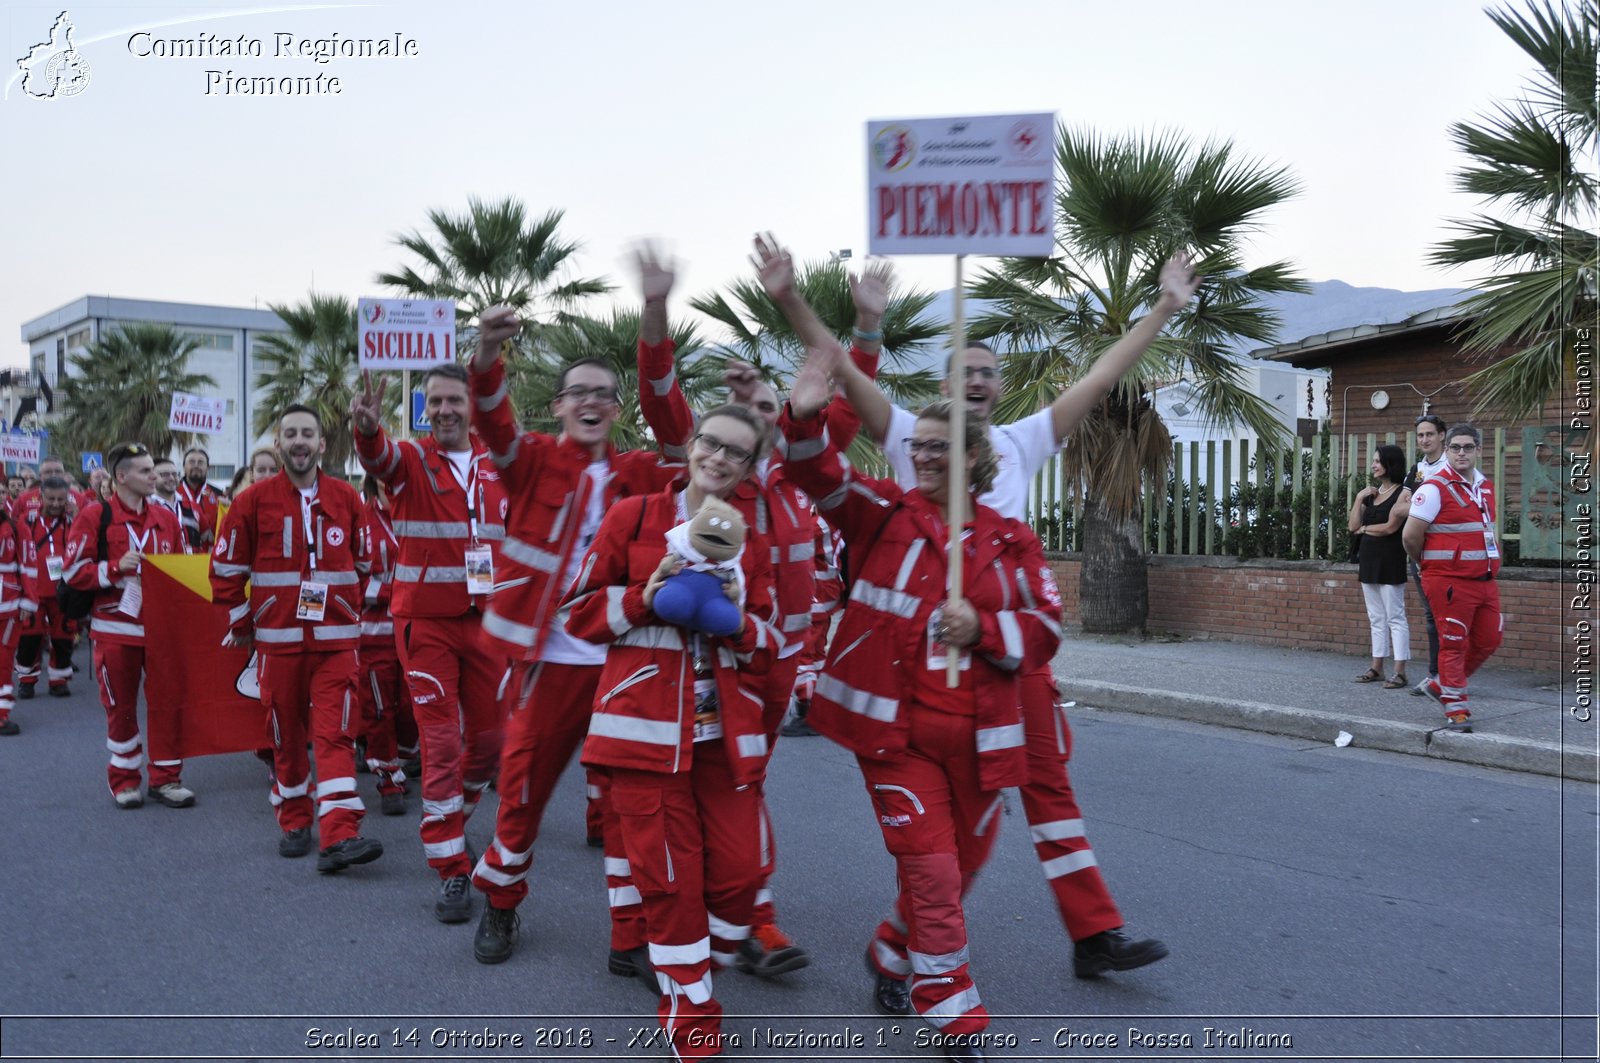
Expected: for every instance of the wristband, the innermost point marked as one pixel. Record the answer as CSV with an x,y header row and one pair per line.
x,y
867,337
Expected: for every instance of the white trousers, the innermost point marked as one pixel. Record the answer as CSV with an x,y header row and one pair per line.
x,y
1386,612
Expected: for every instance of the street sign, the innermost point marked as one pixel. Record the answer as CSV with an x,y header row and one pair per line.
x,y
92,460
419,417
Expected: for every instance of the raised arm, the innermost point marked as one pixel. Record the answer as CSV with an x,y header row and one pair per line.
x,y
492,414
380,455
661,399
1178,285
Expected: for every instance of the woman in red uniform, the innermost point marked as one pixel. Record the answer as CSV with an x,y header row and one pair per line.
x,y
677,725
934,757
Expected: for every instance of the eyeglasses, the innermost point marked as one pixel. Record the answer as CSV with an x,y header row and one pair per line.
x,y
711,444
1463,448
933,448
604,396
980,372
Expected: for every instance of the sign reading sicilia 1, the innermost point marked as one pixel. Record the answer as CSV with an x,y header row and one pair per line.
x,y
406,333
980,185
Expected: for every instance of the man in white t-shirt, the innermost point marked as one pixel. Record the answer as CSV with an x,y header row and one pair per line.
x,y
1023,448
1430,441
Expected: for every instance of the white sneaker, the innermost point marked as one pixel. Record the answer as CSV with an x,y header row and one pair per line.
x,y
129,798
173,795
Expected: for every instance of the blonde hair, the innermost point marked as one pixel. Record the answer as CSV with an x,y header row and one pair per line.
x,y
976,443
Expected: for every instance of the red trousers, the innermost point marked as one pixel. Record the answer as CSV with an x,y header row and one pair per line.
x,y
384,702
310,695
10,629
118,668
691,845
549,717
455,687
47,622
1053,816
939,824
1467,614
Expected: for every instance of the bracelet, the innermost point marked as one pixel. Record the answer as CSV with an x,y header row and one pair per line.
x,y
867,337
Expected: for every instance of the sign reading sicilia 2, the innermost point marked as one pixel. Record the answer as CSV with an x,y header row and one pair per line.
x,y
406,333
980,185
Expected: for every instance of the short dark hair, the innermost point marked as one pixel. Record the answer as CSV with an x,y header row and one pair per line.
x,y
168,461
298,407
561,381
197,450
970,345
54,483
449,370
1465,428
1431,418
121,453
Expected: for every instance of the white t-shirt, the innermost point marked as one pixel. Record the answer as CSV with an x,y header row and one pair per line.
x,y
560,647
1021,448
1426,502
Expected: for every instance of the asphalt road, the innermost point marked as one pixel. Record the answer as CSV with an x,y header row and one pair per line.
x,y
1332,902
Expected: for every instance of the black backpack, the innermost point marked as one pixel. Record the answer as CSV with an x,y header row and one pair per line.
x,y
76,604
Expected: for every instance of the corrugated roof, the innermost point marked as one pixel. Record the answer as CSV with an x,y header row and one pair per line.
x,y
1324,341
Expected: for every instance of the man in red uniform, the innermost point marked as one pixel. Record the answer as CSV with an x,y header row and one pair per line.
x,y
297,539
381,687
200,495
559,487
12,615
1450,533
44,556
130,528
28,503
167,495
449,519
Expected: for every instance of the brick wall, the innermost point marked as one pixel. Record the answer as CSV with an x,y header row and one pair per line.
x,y
1318,605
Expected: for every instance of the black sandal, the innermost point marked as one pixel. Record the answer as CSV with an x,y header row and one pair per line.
x,y
1371,675
1396,681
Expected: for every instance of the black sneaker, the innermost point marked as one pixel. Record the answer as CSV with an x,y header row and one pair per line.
x,y
496,939
891,996
798,728
10,727
1112,950
392,804
768,952
595,841
634,963
61,691
295,842
25,692
351,851
455,900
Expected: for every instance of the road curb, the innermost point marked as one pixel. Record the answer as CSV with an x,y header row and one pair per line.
x,y
1488,750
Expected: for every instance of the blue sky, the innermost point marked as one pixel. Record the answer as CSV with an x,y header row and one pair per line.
x,y
699,123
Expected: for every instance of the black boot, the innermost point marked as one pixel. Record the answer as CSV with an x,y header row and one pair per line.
x,y
1112,950
891,996
497,935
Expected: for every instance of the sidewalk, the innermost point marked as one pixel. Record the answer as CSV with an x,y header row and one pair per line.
x,y
1520,719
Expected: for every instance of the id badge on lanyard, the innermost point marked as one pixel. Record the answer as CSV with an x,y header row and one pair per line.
x,y
1491,548
312,604
54,564
132,602
479,559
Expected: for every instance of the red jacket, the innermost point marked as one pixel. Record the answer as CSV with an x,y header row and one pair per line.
x,y
152,529
433,520
1456,543
897,542
377,594
12,549
42,538
644,712
774,506
264,540
204,503
545,479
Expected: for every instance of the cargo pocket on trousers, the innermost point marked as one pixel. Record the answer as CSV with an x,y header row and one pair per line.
x,y
644,839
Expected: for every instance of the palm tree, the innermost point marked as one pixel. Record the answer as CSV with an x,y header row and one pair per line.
x,y
121,389
762,336
1125,205
1535,159
313,362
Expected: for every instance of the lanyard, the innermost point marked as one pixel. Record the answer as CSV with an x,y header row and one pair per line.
x,y
312,545
466,488
50,535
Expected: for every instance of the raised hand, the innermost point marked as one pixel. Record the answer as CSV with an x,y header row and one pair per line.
x,y
741,379
656,275
495,325
813,384
870,291
774,266
1179,282
366,409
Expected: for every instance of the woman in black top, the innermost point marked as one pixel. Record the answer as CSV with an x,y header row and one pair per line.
x,y
1377,515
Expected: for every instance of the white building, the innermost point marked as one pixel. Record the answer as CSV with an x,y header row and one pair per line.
x,y
1299,398
228,340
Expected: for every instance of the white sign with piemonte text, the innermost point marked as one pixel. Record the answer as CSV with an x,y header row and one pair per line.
x,y
978,185
406,333
21,449
196,413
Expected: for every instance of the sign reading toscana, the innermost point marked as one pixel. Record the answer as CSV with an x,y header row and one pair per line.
x,y
960,186
406,333
23,449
